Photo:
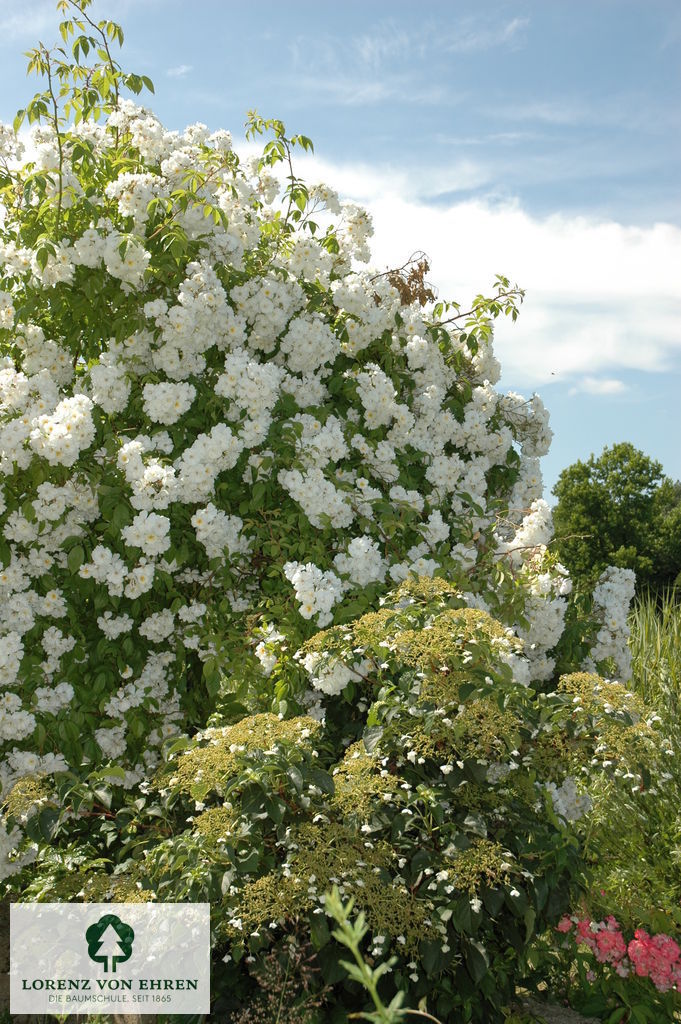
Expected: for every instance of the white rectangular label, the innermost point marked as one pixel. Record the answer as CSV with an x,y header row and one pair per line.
x,y
109,958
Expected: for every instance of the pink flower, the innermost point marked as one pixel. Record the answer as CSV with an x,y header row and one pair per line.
x,y
611,946
656,957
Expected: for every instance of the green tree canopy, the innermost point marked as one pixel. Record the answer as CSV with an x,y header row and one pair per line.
x,y
619,509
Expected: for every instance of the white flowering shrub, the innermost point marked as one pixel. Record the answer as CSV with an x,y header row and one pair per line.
x,y
612,597
211,415
220,431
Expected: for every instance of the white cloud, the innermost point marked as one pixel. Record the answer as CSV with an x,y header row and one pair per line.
x,y
22,20
554,112
599,386
358,91
28,19
472,35
386,42
387,63
367,183
602,297
180,71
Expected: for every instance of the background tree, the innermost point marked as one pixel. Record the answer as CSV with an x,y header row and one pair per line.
x,y
619,509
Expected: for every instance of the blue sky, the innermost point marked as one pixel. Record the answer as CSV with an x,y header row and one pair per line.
x,y
539,139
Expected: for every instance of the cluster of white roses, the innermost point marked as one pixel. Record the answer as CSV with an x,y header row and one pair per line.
x,y
9,844
331,677
59,437
568,801
612,598
165,403
316,591
219,533
301,373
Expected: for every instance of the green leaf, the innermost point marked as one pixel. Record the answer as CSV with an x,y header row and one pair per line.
x,y
275,809
103,796
75,559
249,862
322,780
48,818
431,956
593,1004
462,916
112,773
420,861
477,960
493,900
199,790
371,737
319,930
476,824
332,972
541,892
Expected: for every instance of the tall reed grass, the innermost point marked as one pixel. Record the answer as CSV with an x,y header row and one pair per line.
x,y
655,645
634,837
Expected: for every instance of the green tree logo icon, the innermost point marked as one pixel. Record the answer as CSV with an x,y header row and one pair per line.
x,y
109,941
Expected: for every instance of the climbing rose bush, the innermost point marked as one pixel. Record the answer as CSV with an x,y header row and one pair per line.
x,y
215,424
220,432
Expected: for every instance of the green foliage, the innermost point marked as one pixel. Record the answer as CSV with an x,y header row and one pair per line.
x,y
636,852
350,934
422,800
655,645
631,838
619,509
257,740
